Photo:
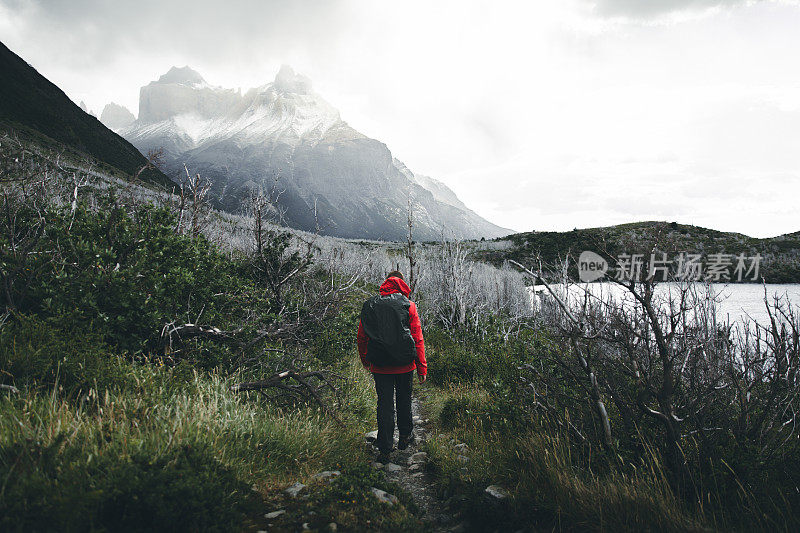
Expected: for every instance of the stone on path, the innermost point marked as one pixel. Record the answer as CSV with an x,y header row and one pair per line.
x,y
274,514
332,526
295,489
384,497
497,492
392,468
330,475
419,457
372,436
377,466
415,467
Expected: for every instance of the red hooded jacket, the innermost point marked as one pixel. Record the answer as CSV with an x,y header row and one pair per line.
x,y
391,286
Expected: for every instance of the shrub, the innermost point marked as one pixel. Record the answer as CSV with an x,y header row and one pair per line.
x,y
56,487
37,352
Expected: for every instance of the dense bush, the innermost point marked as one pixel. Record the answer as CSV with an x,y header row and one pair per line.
x,y
36,352
55,487
124,275
524,407
486,356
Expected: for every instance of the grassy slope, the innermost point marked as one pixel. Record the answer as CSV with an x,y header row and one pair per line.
x,y
40,111
160,447
548,489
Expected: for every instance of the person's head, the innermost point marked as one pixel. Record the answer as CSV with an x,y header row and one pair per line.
x,y
395,274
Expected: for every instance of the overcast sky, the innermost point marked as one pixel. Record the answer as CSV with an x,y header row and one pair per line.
x,y
540,115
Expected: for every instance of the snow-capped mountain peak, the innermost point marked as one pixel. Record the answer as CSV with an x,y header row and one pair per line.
x,y
184,112
182,76
244,140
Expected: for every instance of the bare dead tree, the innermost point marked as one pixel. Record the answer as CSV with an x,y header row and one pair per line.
x,y
410,255
658,352
154,159
577,331
193,197
259,211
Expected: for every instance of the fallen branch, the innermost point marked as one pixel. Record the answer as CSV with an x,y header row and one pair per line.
x,y
190,331
304,389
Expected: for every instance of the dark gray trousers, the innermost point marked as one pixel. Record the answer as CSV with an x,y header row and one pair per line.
x,y
391,388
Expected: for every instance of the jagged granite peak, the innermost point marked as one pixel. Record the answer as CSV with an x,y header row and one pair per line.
x,y
182,76
116,116
243,141
181,117
290,82
183,91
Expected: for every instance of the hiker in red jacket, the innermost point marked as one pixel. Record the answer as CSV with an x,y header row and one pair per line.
x,y
391,346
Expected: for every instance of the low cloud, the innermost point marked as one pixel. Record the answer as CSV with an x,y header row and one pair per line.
x,y
648,9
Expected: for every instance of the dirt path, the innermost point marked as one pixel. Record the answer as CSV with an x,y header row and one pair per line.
x,y
407,469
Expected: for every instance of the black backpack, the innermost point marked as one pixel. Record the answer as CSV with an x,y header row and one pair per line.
x,y
385,321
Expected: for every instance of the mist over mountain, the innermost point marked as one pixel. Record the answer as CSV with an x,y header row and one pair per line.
x,y
116,116
285,136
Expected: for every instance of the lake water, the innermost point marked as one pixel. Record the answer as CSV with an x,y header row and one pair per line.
x,y
737,301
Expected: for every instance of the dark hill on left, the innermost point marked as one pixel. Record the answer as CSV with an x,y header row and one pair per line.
x,y
34,107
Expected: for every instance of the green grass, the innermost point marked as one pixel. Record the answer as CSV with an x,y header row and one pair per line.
x,y
548,487
172,451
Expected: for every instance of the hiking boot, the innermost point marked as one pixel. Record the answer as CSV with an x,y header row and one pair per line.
x,y
383,457
405,441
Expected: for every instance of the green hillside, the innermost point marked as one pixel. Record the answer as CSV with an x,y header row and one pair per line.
x,y
780,263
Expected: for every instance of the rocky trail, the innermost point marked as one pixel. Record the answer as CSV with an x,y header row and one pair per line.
x,y
407,469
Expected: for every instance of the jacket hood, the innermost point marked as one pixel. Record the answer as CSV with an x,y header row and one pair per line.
x,y
393,285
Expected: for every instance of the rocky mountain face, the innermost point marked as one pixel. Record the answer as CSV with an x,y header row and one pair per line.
x,y
116,116
285,137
